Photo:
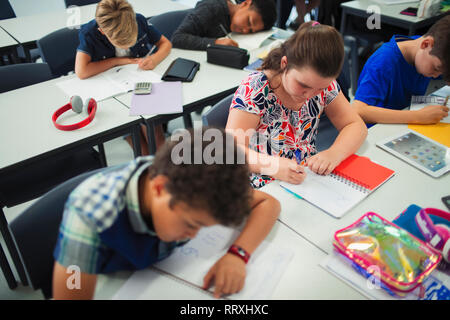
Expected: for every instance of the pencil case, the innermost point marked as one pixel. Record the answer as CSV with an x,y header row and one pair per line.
x,y
385,251
227,56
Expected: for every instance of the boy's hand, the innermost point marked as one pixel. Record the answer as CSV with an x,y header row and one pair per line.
x,y
228,274
324,162
288,170
226,42
146,63
431,114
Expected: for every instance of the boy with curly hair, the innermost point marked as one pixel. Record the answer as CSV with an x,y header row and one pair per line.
x,y
131,216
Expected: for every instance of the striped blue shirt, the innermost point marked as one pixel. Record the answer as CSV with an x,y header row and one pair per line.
x,y
102,228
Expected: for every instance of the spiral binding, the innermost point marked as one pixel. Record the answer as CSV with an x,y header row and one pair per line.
x,y
357,185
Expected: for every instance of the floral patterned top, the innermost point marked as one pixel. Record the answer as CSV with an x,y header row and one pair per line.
x,y
281,131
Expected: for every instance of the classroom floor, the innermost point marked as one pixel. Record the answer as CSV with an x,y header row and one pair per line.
x,y
117,151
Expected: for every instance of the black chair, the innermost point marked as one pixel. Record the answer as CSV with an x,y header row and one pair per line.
x,y
326,133
21,185
6,11
35,233
217,116
168,22
20,75
59,49
79,2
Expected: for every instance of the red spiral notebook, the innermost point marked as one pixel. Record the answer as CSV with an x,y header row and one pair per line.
x,y
349,183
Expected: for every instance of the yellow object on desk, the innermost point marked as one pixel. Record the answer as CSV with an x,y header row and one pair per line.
x,y
439,132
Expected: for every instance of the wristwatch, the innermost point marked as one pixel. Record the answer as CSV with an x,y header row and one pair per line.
x,y
238,251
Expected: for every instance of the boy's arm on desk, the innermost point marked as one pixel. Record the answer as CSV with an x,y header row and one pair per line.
x,y
84,68
372,114
229,271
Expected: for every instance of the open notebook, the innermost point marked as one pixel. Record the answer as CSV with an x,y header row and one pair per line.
x,y
350,182
188,264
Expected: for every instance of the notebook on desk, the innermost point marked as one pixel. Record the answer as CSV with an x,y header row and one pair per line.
x,y
349,183
188,264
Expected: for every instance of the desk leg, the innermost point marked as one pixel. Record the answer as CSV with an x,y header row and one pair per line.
x,y
9,241
187,121
101,151
151,137
136,138
343,21
7,272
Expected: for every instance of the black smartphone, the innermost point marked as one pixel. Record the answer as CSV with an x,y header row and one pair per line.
x,y
411,11
446,201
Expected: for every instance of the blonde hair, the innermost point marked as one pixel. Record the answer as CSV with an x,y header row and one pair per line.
x,y
117,20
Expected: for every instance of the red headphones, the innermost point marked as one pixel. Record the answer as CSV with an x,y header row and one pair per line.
x,y
437,235
76,104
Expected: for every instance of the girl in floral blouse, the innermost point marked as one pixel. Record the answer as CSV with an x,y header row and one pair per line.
x,y
279,108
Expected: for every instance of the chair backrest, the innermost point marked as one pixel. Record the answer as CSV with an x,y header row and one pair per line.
x,y
79,2
326,134
168,22
217,116
6,11
35,233
59,49
20,75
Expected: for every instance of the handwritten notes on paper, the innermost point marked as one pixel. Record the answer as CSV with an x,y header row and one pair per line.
x,y
192,261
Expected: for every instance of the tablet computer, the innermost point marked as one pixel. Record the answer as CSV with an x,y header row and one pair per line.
x,y
422,152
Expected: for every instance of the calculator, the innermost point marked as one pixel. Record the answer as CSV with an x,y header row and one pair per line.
x,y
142,88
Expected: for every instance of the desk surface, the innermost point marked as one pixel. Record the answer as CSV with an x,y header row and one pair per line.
x,y
392,10
31,28
408,186
6,40
303,278
27,130
210,80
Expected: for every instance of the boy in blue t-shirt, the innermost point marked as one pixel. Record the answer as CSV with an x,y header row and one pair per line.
x,y
131,216
401,68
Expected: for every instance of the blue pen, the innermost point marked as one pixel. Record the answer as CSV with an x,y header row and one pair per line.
x,y
293,193
298,156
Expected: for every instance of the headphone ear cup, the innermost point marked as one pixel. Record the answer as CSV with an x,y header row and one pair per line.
x,y
77,104
86,106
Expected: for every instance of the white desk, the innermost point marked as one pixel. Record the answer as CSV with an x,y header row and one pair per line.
x,y
408,186
303,278
28,29
211,83
27,131
390,14
6,40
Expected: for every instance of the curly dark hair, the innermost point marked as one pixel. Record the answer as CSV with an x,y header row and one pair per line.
x,y
268,11
206,170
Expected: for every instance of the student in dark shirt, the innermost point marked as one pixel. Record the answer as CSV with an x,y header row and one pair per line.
x,y
202,27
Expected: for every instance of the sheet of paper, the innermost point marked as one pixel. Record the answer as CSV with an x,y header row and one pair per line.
x,y
251,41
432,100
112,82
442,92
435,287
327,193
192,261
165,98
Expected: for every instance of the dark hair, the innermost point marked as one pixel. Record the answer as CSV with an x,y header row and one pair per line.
x,y
440,31
315,45
268,11
221,187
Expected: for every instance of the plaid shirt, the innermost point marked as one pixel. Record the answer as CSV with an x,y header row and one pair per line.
x,y
102,228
